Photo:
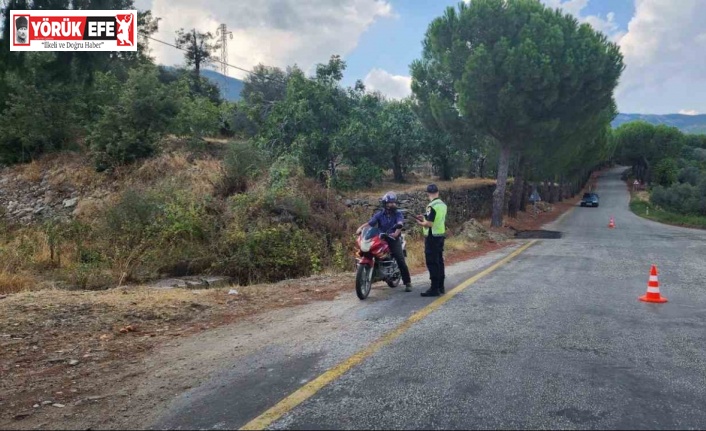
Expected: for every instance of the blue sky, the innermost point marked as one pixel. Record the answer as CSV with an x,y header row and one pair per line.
x,y
393,43
663,41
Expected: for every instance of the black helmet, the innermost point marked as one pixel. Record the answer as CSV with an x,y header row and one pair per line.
x,y
390,197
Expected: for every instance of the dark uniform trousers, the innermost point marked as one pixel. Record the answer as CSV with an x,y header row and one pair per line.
x,y
398,254
434,255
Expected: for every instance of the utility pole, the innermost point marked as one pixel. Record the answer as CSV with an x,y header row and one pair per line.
x,y
224,33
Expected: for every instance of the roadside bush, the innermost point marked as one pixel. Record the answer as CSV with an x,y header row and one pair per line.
x,y
132,219
679,198
269,254
198,116
242,164
283,170
150,232
689,175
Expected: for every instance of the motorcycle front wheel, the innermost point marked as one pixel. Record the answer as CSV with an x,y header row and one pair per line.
x,y
363,281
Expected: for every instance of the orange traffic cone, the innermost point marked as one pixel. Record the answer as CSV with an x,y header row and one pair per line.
x,y
652,294
612,223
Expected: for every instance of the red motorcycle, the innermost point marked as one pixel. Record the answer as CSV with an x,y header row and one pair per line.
x,y
375,262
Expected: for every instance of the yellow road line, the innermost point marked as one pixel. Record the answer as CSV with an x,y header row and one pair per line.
x,y
305,392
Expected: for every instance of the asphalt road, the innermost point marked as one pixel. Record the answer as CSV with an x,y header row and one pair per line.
x,y
554,339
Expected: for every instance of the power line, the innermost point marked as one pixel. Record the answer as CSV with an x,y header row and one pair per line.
x,y
182,49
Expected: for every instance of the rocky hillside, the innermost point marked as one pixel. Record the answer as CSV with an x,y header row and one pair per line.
x,y
50,188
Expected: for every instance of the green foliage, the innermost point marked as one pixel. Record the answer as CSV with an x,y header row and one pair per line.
x,y
313,121
665,156
196,86
400,137
151,229
528,76
262,89
38,117
643,146
666,172
689,175
365,174
131,129
342,258
183,217
236,120
682,198
283,170
269,254
198,116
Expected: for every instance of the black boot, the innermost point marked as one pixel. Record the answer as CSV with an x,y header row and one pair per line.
x,y
431,292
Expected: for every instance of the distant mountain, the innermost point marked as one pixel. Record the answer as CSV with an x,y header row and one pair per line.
x,y
694,124
230,87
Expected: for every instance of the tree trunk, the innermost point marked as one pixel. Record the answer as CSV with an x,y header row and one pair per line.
x,y
499,193
397,169
332,170
523,198
445,173
517,190
481,167
647,172
561,189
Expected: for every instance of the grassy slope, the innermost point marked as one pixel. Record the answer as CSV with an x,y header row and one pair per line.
x,y
640,205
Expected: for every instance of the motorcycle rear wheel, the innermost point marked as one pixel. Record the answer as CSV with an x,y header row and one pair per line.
x,y
363,281
394,282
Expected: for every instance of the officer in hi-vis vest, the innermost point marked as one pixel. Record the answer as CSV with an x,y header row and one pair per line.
x,y
434,227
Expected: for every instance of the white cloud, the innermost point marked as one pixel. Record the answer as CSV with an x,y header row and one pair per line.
x,y
664,56
392,86
606,25
274,32
688,112
143,4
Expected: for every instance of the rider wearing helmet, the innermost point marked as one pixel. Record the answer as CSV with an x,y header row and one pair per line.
x,y
390,221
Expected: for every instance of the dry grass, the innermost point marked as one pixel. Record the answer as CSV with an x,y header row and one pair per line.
x,y
31,172
643,196
458,243
420,184
74,170
157,168
452,245
67,168
415,252
198,175
13,282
